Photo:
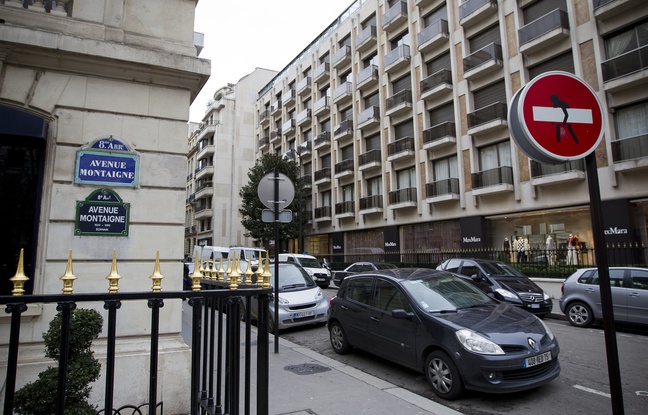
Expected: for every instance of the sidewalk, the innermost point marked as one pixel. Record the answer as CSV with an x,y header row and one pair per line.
x,y
303,382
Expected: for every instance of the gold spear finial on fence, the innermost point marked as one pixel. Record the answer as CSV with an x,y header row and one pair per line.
x,y
113,277
213,271
266,275
235,274
157,276
221,270
249,274
196,276
68,278
20,278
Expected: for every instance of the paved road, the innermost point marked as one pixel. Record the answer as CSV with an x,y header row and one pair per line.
x,y
582,387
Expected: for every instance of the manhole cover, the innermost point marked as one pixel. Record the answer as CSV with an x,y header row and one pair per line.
x,y
307,368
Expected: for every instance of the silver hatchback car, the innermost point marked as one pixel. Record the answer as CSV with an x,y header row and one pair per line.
x,y
581,297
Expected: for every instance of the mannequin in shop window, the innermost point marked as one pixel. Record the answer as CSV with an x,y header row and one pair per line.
x,y
506,247
572,249
521,245
550,247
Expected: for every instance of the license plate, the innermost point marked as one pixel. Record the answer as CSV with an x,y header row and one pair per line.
x,y
303,314
534,305
536,360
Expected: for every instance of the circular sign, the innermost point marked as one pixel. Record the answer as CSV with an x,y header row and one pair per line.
x,y
560,115
266,190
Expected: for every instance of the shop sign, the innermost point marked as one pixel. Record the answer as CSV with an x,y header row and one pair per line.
x,y
102,213
107,161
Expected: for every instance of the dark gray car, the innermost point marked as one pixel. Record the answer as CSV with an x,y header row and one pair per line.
x,y
437,323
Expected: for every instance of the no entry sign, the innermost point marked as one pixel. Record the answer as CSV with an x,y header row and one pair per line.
x,y
556,117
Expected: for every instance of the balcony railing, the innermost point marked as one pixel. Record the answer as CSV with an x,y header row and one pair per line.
x,y
342,56
541,169
492,177
491,52
401,98
371,156
321,72
264,116
322,139
321,105
323,212
630,148
289,97
370,114
288,127
402,196
343,129
626,64
442,187
439,131
371,202
344,166
471,6
496,111
347,206
275,134
368,76
323,174
437,29
404,144
397,57
366,39
275,108
395,15
304,116
264,141
442,77
342,91
304,86
556,19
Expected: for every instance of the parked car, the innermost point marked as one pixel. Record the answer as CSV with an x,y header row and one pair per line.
x,y
502,282
320,274
581,297
301,301
437,323
338,276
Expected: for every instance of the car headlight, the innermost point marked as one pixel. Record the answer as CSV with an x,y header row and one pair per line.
x,y
506,294
477,343
549,333
319,295
545,296
283,301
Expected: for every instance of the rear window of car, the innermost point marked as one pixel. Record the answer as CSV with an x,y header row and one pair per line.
x,y
639,279
359,289
616,278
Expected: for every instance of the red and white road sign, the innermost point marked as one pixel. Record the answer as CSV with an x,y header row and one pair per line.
x,y
560,115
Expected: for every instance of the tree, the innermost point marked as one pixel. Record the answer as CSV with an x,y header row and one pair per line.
x,y
251,206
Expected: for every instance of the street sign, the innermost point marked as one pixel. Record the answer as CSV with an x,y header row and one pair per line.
x,y
266,191
556,117
285,216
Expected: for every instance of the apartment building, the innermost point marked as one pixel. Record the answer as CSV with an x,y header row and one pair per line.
x,y
399,110
221,152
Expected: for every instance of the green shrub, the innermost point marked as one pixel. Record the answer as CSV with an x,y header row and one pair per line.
x,y
39,397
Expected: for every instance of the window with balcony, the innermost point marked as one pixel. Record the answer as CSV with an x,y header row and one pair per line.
x,y
631,132
402,95
490,105
542,17
495,165
484,47
406,187
446,177
626,52
374,199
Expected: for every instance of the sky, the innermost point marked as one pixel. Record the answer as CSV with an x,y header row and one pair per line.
x,y
243,35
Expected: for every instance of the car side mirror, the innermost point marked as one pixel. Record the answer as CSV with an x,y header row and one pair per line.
x,y
476,278
402,314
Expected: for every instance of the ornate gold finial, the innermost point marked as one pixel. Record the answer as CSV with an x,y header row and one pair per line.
x,y
196,276
157,275
221,270
266,275
113,277
248,274
68,278
213,272
228,270
20,278
235,275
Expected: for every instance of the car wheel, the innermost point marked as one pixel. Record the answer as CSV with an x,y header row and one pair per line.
x,y
338,339
580,315
443,375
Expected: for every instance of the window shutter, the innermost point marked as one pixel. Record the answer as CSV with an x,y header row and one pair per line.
x,y
489,95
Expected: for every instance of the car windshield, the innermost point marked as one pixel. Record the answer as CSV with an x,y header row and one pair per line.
x,y
385,266
309,263
291,277
499,269
446,293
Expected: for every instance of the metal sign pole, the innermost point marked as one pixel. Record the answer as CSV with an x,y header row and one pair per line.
x,y
614,373
276,278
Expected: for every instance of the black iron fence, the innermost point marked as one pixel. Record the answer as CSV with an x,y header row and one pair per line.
x,y
535,263
221,338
